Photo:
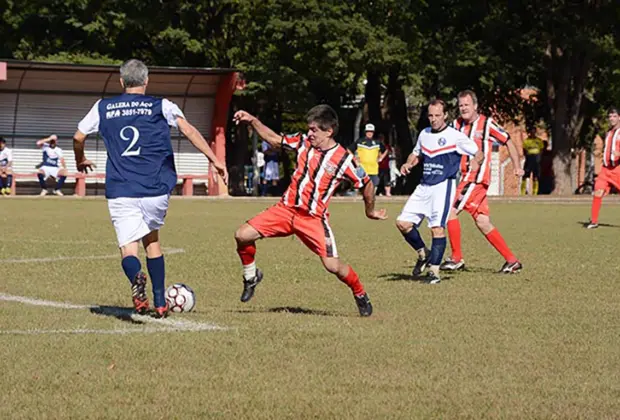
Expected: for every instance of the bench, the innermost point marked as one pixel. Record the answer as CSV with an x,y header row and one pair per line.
x,y
187,188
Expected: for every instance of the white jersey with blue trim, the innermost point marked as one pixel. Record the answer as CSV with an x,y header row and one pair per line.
x,y
52,156
440,152
6,156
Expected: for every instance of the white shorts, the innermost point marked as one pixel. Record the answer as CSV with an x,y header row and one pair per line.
x,y
431,201
134,218
272,171
50,171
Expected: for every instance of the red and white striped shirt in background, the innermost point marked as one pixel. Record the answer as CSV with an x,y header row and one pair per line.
x,y
484,131
611,153
318,173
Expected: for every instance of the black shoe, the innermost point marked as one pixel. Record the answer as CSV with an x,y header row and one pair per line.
x,y
431,278
363,304
511,268
450,265
250,285
421,264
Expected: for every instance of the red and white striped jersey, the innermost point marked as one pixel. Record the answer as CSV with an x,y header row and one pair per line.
x,y
318,173
611,153
484,131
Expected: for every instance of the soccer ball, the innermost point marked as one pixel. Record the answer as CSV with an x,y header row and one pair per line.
x,y
180,298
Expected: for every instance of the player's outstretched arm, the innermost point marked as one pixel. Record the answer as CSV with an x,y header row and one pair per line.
x,y
81,163
199,142
514,157
264,132
368,192
44,140
412,160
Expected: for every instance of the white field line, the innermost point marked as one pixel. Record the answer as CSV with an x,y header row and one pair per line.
x,y
167,251
156,325
51,241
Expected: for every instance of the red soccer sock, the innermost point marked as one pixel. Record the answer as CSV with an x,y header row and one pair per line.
x,y
596,208
353,281
454,234
247,253
495,239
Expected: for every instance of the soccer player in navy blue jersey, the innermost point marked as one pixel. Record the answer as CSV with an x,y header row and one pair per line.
x,y
140,173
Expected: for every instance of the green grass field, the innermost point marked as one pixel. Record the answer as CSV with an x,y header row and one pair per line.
x,y
541,344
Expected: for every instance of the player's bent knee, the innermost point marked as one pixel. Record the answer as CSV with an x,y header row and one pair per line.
x,y
246,234
599,193
403,226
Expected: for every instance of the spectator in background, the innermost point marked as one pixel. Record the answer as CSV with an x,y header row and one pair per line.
x,y
532,150
53,164
6,168
271,173
367,151
546,169
385,175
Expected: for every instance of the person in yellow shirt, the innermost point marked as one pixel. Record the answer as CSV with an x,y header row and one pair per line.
x,y
367,151
532,150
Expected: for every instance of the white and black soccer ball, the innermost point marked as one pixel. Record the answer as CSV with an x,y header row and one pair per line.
x,y
180,298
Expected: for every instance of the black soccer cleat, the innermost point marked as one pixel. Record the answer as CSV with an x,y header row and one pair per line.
x,y
432,278
138,294
363,304
250,285
511,268
451,265
421,264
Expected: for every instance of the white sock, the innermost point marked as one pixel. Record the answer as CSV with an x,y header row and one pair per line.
x,y
249,271
434,269
422,253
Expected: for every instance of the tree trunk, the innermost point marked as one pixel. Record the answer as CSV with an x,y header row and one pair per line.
x,y
566,79
373,98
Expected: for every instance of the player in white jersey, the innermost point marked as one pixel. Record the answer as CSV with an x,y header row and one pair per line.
x,y
53,164
439,149
6,168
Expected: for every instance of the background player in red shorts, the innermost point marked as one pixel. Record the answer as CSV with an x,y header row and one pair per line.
x,y
471,194
322,164
610,173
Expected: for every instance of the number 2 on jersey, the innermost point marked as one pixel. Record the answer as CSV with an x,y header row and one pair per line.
x,y
135,135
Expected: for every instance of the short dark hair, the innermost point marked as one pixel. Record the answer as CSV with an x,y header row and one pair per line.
x,y
325,117
436,102
468,92
2,140
613,110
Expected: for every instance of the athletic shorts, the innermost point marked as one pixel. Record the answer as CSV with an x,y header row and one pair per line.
x,y
430,201
281,220
532,166
606,178
272,171
472,198
50,171
134,218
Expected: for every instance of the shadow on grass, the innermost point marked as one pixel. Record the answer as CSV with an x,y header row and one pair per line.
x,y
123,314
409,277
585,224
290,310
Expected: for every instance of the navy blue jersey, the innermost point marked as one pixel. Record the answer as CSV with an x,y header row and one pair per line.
x,y
440,153
136,132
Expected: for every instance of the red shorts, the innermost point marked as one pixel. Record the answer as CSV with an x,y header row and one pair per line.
x,y
472,198
313,231
606,178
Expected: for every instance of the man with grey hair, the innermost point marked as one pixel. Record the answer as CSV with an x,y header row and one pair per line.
x,y
140,173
